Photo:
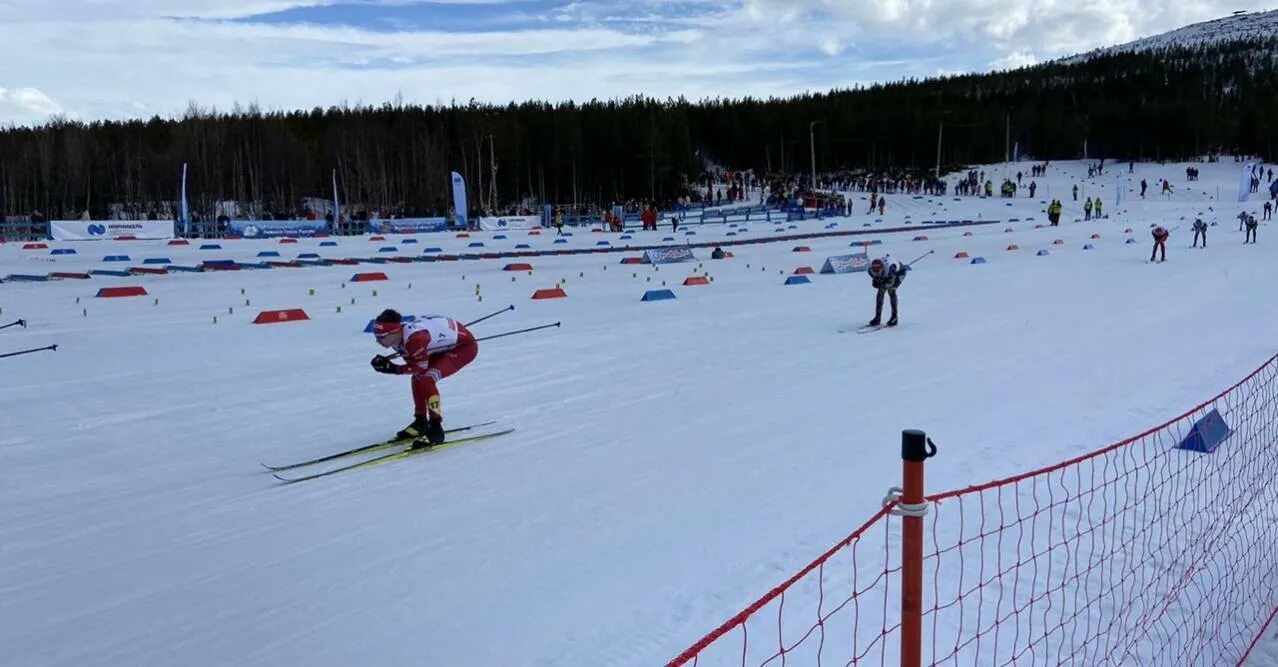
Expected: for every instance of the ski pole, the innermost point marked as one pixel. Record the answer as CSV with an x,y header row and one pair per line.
x,y
492,315
19,323
521,331
34,349
500,335
920,257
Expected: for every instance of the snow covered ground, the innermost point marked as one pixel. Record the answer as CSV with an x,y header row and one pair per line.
x,y
673,460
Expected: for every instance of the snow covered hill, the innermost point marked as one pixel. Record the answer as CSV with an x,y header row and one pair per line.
x,y
673,459
1237,27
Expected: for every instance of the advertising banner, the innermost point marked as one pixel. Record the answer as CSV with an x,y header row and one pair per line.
x,y
461,217
846,263
408,225
668,256
509,222
94,230
269,229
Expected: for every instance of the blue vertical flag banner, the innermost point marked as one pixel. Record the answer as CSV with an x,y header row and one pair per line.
x,y
186,212
1118,190
459,201
337,207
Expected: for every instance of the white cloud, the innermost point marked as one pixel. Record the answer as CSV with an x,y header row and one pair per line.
x,y
127,58
1015,60
26,105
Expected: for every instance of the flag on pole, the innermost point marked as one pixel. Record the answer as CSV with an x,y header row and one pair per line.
x,y
1244,182
459,201
337,207
186,213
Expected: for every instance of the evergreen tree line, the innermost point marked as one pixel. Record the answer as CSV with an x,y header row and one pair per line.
x,y
1175,103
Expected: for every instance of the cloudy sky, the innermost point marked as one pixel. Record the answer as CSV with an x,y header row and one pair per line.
x,y
95,59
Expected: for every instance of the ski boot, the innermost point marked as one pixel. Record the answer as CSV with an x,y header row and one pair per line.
x,y
874,322
431,434
892,321
417,429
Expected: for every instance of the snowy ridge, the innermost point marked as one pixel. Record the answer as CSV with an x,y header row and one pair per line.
x,y
1234,28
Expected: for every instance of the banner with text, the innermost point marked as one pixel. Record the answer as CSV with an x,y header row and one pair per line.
x,y
509,222
668,255
846,263
408,225
269,229
461,215
93,230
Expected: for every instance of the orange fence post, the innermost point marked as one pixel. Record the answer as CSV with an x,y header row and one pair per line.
x,y
911,505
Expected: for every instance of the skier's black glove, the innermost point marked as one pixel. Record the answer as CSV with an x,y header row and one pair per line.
x,y
383,364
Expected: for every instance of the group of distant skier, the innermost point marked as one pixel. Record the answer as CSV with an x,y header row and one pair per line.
x,y
435,347
1246,223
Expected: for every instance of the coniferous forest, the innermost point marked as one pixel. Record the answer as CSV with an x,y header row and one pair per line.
x,y
1175,103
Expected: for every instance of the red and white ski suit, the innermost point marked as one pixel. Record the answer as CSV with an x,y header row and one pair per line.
x,y
434,347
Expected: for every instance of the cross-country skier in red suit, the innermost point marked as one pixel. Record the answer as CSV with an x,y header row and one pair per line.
x,y
433,347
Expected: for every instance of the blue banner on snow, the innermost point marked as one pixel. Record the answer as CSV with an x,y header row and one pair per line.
x,y
668,256
408,226
846,263
261,229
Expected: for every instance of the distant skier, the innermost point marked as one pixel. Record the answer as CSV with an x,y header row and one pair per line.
x,y
1251,229
1200,230
1076,192
1143,187
434,348
1160,243
1269,208
885,276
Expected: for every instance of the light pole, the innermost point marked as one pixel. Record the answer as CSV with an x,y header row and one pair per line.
x,y
812,147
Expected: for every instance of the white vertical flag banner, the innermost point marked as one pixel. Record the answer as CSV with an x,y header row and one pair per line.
x,y
1244,182
459,201
337,207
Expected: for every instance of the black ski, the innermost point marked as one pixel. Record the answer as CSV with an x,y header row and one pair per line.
x,y
377,446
